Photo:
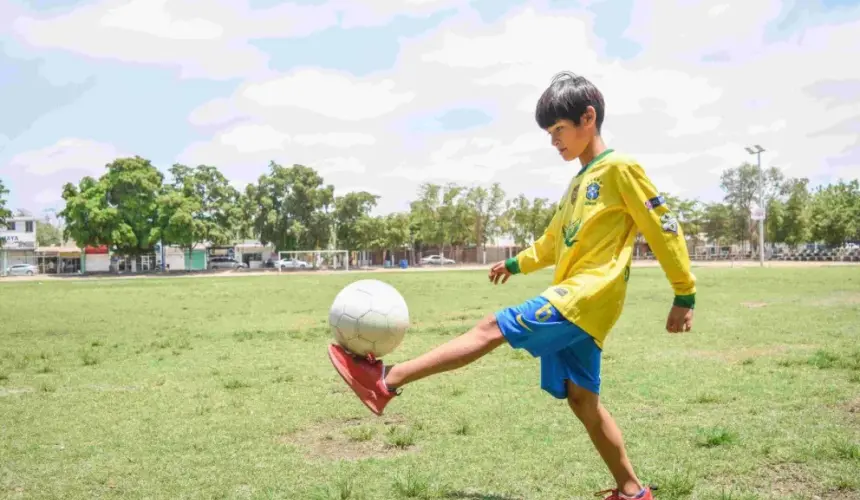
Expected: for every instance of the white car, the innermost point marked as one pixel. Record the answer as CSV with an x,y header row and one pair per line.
x,y
226,263
22,270
291,264
437,260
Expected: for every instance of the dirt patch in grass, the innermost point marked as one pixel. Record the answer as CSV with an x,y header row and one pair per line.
x,y
354,439
838,299
790,479
754,305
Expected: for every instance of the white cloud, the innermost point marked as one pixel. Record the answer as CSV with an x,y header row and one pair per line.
x,y
330,94
254,138
685,105
214,42
151,17
335,139
341,165
66,154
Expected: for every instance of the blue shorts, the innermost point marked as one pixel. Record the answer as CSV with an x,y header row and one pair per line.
x,y
566,351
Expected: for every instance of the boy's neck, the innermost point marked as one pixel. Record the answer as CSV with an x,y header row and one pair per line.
x,y
594,148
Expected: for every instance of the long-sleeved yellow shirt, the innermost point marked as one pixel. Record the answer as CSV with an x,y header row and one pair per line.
x,y
590,241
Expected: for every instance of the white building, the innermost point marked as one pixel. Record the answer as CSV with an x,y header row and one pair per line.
x,y
18,239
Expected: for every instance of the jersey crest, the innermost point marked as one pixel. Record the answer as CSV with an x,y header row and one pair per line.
x,y
592,191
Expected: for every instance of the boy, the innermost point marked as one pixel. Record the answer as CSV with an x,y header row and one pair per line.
x,y
590,241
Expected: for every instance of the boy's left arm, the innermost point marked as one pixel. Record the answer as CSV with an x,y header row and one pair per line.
x,y
663,232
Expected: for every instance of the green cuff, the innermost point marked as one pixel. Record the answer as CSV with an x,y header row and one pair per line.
x,y
512,265
688,301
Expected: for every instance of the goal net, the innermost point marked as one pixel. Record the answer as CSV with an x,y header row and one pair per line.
x,y
313,259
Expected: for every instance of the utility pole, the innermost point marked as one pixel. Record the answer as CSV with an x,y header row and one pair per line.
x,y
758,151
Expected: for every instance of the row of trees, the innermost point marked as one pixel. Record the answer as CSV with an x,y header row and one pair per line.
x,y
796,213
133,206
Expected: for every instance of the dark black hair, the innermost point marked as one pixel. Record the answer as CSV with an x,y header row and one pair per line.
x,y
567,97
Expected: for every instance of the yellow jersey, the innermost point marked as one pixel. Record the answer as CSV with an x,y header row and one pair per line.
x,y
590,241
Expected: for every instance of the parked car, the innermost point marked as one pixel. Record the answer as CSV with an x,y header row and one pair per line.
x,y
22,270
226,263
437,260
291,264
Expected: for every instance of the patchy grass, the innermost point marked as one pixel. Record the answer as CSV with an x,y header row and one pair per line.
x,y
220,388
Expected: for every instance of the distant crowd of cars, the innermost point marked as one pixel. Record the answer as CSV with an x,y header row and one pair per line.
x,y
231,263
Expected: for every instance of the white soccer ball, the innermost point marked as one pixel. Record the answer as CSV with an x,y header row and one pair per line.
x,y
369,317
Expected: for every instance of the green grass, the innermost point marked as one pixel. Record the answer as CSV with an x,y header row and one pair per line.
x,y
221,388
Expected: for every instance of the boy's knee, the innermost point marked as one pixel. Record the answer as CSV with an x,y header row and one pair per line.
x,y
585,404
489,331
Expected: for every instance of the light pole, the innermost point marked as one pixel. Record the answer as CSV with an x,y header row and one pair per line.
x,y
758,151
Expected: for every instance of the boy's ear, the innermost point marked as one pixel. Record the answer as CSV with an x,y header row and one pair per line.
x,y
589,116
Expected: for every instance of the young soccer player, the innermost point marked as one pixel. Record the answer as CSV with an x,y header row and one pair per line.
x,y
590,241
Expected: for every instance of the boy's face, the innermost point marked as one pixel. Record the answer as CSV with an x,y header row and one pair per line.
x,y
570,139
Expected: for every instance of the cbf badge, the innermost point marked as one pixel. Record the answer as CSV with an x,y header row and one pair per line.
x,y
592,192
669,222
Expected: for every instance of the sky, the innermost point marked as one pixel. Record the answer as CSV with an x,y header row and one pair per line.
x,y
381,96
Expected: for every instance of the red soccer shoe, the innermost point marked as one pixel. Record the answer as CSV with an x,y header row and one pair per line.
x,y
616,495
363,375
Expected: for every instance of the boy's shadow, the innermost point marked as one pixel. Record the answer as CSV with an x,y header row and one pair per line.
x,y
477,496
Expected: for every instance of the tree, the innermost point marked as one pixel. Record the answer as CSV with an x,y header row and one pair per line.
x,y
425,217
717,223
742,187
794,229
48,234
132,188
243,222
176,219
294,208
487,211
396,232
199,206
4,212
349,209
835,213
119,210
526,220
90,221
456,217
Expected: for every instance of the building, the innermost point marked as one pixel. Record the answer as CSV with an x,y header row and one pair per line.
x,y
18,239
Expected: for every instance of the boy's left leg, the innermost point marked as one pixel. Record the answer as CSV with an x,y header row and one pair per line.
x,y
606,436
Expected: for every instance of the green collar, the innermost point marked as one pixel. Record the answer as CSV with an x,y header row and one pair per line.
x,y
595,160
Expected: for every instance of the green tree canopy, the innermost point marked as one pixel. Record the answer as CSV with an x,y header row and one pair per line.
x,y
4,212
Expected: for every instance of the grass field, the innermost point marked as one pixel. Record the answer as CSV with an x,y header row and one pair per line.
x,y
221,388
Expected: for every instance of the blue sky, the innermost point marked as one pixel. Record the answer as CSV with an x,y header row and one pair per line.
x,y
384,98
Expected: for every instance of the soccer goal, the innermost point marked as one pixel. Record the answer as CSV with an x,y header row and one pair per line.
x,y
313,259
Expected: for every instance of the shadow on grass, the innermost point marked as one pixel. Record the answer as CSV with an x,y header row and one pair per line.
x,y
477,496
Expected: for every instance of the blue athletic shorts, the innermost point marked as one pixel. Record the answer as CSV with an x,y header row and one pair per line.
x,y
566,351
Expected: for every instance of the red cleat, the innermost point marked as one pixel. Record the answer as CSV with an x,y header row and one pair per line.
x,y
616,495
363,375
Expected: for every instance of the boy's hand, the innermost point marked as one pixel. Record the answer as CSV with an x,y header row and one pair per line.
x,y
499,271
680,320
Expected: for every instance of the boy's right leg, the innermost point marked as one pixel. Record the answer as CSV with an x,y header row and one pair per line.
x,y
531,325
375,384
